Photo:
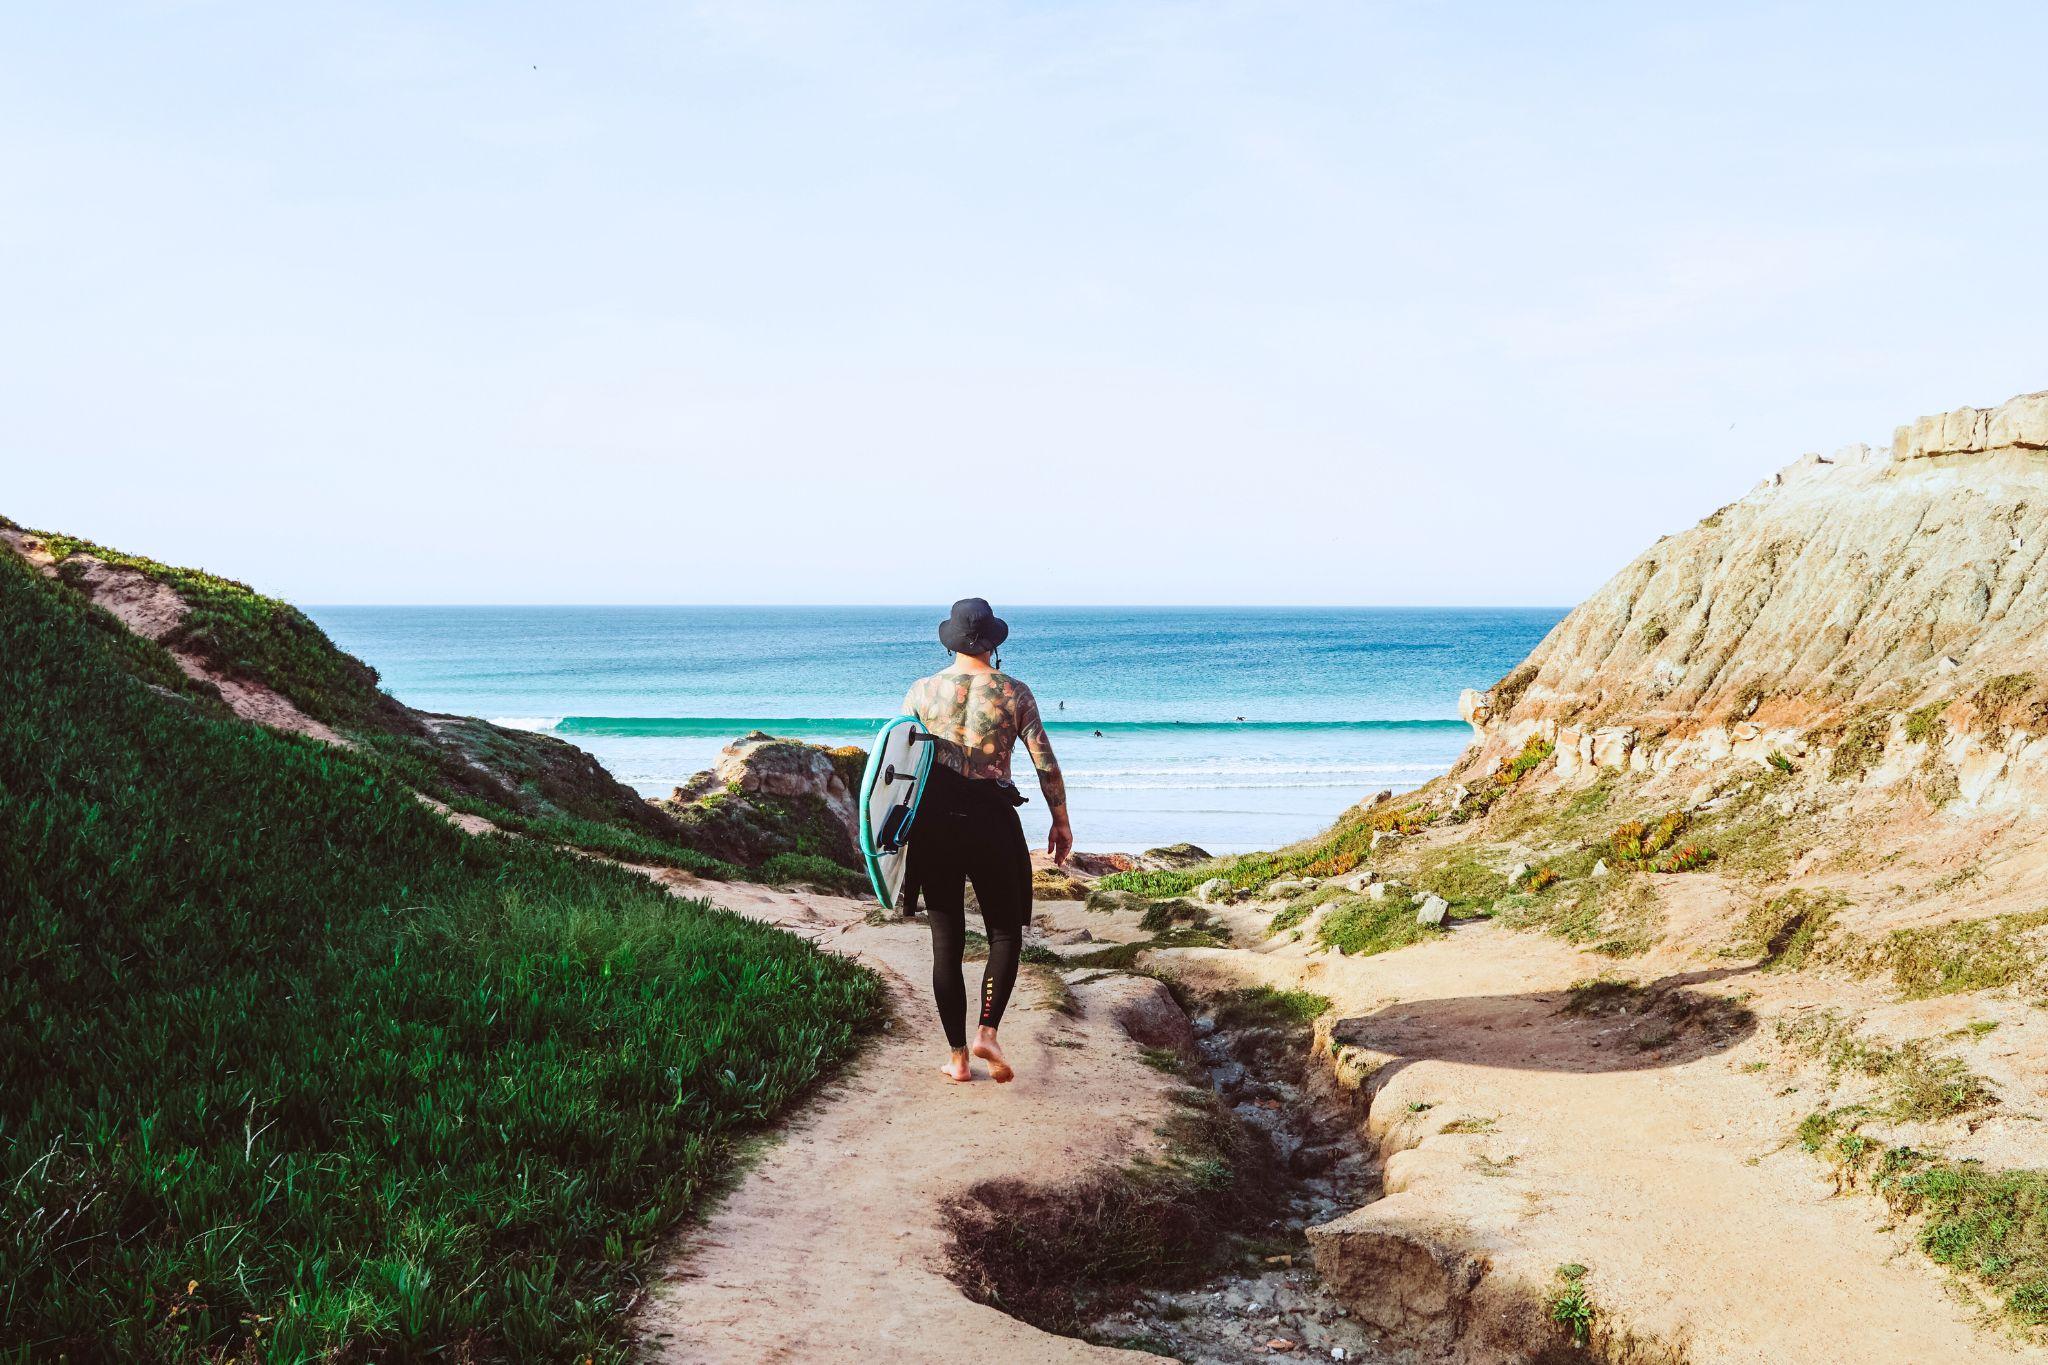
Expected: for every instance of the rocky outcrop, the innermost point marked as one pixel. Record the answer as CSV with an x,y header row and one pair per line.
x,y
1866,583
767,796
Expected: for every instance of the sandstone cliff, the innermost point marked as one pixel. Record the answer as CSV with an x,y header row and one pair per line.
x,y
1866,584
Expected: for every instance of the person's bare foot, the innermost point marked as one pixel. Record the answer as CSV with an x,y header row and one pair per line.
x,y
989,1050
956,1067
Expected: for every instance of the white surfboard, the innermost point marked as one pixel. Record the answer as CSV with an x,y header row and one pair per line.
x,y
890,790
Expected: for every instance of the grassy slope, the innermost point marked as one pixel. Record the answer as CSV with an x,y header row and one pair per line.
x,y
284,1058
534,784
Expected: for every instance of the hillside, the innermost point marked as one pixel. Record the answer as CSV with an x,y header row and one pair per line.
x,y
1729,932
265,661
291,1067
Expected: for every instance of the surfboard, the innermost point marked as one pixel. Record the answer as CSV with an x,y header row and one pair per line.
x,y
890,790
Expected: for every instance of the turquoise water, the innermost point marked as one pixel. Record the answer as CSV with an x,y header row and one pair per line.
x,y
1235,728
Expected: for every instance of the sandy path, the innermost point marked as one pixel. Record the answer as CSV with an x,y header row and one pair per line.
x,y
831,1248
1668,1172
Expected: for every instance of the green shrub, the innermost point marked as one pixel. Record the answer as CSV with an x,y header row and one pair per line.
x,y
1689,858
1532,756
1571,1307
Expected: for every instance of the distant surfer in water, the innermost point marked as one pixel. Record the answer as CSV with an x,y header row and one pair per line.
x,y
967,828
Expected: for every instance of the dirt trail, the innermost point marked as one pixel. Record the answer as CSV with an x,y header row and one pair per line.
x,y
1658,1157
831,1248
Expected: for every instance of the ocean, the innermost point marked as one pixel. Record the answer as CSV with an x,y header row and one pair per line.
x,y
1234,728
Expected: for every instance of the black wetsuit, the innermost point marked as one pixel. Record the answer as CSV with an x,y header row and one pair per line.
x,y
967,830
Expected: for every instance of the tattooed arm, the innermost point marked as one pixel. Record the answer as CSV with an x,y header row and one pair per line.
x,y
1031,730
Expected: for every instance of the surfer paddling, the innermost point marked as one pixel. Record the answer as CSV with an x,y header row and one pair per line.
x,y
967,828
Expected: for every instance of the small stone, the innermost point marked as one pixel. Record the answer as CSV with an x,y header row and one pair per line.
x,y
1947,665
1337,1353
1281,1344
1205,1024
1517,872
1215,891
1600,868
1432,909
1376,892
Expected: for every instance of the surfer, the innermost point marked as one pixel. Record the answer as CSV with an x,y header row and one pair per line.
x,y
968,830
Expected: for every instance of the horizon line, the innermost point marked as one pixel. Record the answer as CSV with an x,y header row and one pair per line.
x,y
1022,606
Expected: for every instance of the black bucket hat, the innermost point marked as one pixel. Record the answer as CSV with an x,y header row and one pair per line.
x,y
973,628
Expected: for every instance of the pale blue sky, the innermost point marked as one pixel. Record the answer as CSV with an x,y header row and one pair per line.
x,y
1124,302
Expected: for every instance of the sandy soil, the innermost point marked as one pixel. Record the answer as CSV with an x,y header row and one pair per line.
x,y
831,1248
1668,1170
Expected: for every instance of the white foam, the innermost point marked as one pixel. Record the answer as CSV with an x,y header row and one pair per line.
x,y
526,722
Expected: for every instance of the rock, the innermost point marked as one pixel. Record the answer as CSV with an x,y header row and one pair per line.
x,y
1946,664
1143,1008
1288,890
1070,936
1377,891
1412,1278
767,796
1382,796
1310,1161
1358,880
1459,795
1600,868
1227,1079
1609,746
1432,909
1099,864
1475,708
1517,872
1171,857
1205,1024
1107,901
1215,891
761,764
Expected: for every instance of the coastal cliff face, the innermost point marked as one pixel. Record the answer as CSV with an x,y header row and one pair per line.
x,y
1727,931
1843,597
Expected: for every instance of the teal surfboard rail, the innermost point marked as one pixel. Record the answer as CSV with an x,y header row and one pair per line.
x,y
870,854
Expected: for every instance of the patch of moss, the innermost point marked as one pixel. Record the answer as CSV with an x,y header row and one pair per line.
x,y
1925,725
1362,927
1289,916
1253,1006
2012,701
1163,915
1786,928
1973,955
1918,1084
1859,746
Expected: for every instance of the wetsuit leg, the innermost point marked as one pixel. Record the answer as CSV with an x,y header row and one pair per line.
x,y
1000,865
935,867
